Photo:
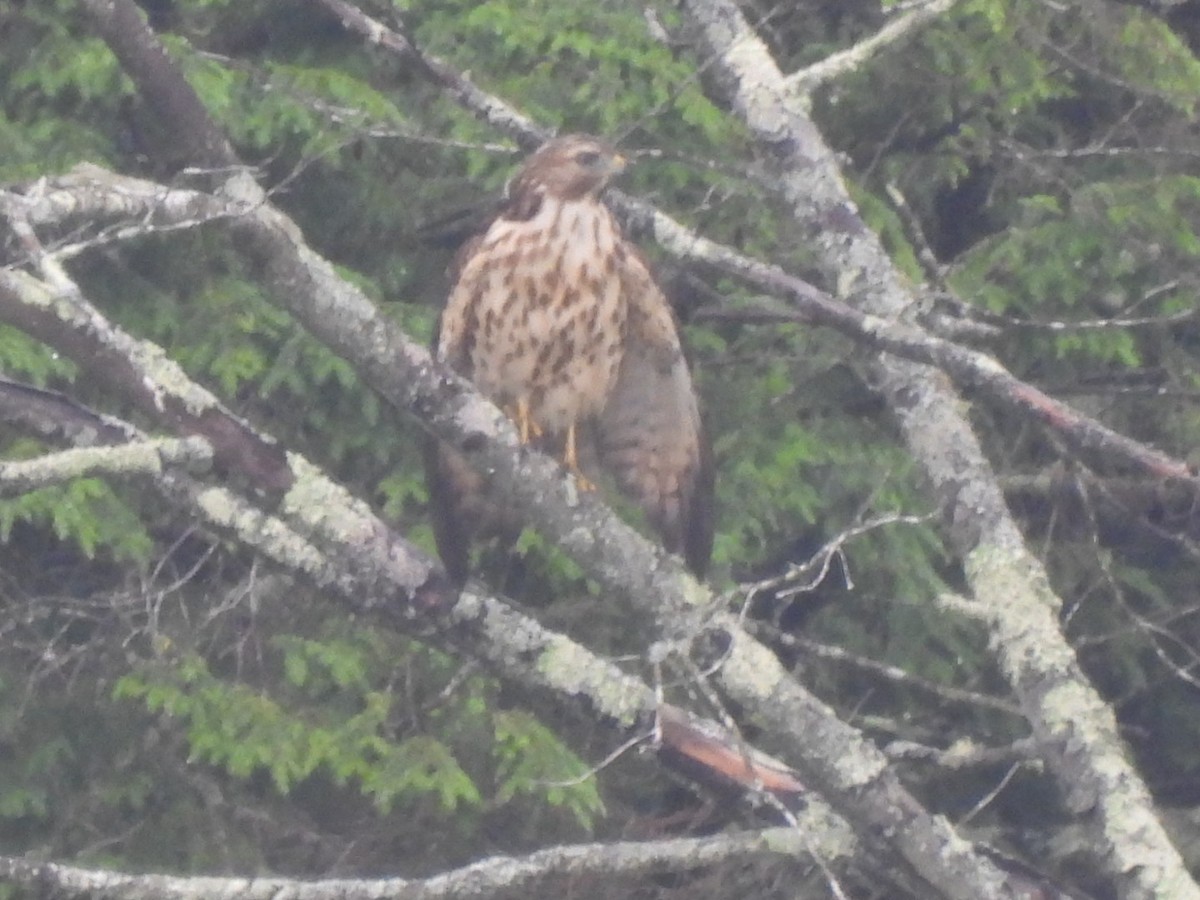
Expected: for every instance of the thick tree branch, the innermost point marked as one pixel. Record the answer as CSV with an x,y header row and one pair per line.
x,y
1075,730
481,880
887,672
55,416
144,58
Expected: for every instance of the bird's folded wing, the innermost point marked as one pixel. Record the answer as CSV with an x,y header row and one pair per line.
x,y
650,437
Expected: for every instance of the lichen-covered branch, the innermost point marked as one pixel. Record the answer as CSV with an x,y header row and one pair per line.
x,y
480,880
135,459
837,64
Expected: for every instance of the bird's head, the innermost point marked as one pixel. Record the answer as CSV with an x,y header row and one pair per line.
x,y
570,167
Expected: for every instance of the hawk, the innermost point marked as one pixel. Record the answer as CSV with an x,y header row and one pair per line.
x,y
556,318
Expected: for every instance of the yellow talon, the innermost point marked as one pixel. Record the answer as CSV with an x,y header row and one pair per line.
x,y
571,461
527,428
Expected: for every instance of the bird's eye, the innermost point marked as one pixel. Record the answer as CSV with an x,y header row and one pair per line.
x,y
588,158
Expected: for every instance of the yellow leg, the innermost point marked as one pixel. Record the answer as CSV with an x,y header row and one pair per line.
x,y
526,426
571,461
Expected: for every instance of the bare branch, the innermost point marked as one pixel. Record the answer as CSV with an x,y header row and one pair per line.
x,y
890,673
138,458
53,415
196,136
838,64
803,577
935,272
489,108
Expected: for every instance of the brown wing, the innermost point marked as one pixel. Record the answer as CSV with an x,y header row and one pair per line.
x,y
650,437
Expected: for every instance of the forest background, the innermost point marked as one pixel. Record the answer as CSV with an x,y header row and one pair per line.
x,y
935,267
